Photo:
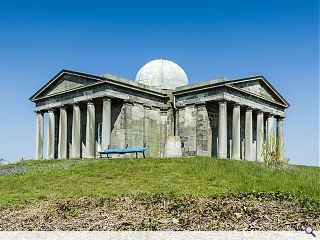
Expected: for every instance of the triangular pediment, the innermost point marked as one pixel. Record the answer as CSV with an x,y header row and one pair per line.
x,y
67,83
259,87
64,81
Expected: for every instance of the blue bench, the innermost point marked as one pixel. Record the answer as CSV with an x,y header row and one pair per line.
x,y
124,150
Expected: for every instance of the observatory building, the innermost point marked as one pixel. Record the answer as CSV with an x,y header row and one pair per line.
x,y
221,118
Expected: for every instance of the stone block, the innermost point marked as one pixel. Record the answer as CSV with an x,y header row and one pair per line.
x,y
173,147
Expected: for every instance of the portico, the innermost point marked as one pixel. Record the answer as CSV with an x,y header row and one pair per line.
x,y
61,147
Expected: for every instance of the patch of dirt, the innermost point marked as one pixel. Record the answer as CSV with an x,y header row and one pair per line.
x,y
159,212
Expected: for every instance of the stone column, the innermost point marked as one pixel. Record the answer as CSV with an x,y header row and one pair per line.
x,y
260,135
90,131
248,135
270,128
106,123
76,137
280,131
270,138
50,135
62,144
39,136
222,130
236,132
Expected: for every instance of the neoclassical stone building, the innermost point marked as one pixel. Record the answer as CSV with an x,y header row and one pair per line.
x,y
219,118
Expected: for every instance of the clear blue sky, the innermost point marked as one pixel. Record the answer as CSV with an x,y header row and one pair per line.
x,y
209,39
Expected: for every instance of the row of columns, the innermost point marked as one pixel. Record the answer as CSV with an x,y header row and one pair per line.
x,y
236,141
76,131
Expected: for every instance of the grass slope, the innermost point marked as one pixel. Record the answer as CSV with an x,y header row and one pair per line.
x,y
197,176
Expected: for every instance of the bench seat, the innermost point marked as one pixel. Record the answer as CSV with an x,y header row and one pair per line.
x,y
135,150
124,150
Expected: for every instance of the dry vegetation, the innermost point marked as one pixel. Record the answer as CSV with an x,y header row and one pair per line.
x,y
243,212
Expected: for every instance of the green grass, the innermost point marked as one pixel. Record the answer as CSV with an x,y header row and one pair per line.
x,y
198,176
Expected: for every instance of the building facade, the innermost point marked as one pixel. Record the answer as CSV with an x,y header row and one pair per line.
x,y
219,118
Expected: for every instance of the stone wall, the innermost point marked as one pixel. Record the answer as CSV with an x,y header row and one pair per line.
x,y
152,131
187,129
117,125
193,127
135,124
203,131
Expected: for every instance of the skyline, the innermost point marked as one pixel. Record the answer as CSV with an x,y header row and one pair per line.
x,y
209,40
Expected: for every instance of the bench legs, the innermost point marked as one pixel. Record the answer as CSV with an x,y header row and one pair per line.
x,y
104,153
135,152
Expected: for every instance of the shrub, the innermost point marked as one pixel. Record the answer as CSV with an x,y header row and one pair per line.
x,y
273,151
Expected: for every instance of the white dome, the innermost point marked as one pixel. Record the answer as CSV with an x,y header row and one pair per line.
x,y
163,74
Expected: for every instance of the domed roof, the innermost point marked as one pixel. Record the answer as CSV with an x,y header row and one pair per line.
x,y
163,74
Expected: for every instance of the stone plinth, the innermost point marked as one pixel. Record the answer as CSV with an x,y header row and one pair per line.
x,y
173,147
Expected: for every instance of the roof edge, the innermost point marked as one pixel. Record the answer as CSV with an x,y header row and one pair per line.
x,y
104,78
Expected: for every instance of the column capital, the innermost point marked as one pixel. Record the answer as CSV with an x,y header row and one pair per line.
x,y
222,101
106,99
236,105
280,118
90,102
39,112
249,109
260,112
76,105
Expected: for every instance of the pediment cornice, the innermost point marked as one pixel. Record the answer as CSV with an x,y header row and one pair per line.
x,y
91,82
235,85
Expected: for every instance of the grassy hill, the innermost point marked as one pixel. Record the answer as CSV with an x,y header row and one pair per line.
x,y
196,176
157,194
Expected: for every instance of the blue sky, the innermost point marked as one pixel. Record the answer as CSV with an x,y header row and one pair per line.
x,y
209,39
